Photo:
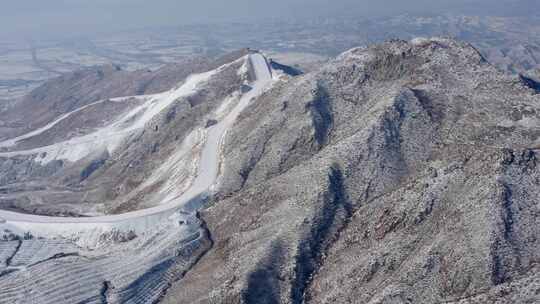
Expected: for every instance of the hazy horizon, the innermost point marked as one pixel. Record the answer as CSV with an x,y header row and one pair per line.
x,y
35,18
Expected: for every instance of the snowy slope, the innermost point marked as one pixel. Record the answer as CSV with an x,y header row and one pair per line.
x,y
111,136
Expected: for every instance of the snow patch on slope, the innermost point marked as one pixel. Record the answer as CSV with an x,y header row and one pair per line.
x,y
111,136
13,141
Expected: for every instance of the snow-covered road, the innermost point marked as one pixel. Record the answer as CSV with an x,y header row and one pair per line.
x,y
207,174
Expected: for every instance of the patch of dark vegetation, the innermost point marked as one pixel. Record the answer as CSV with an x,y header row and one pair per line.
x,y
27,236
326,227
263,284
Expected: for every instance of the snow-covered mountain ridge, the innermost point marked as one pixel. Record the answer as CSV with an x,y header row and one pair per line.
x,y
403,172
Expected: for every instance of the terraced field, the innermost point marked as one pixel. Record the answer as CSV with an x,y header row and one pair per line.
x,y
57,271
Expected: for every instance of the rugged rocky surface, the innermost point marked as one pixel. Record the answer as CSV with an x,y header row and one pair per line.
x,y
404,172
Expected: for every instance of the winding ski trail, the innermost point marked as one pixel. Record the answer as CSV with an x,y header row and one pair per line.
x,y
207,174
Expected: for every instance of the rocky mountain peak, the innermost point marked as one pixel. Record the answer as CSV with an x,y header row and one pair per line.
x,y
397,173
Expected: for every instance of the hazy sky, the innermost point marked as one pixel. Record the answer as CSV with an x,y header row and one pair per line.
x,y
37,17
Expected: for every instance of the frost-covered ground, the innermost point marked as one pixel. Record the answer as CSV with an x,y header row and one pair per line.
x,y
129,257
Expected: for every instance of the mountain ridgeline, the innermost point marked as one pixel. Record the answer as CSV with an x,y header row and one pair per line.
x,y
404,172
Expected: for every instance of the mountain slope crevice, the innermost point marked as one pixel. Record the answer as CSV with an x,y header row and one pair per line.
x,y
321,115
263,283
12,256
530,83
325,229
104,292
56,256
509,260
